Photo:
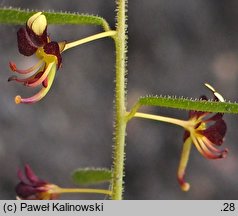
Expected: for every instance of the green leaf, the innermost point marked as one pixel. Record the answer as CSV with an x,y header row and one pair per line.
x,y
17,16
189,104
91,176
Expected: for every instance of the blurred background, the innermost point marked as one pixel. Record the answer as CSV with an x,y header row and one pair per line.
x,y
174,47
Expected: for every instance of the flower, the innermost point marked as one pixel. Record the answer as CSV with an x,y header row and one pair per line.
x,y
33,39
31,187
206,131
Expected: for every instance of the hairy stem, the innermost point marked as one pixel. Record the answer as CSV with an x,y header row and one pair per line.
x,y
120,101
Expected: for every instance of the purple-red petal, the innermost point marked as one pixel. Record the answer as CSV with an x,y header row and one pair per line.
x,y
30,185
216,132
21,177
35,181
215,117
25,45
186,135
197,114
24,191
30,174
39,40
52,48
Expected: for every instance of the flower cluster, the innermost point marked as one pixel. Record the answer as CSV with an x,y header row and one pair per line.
x,y
203,129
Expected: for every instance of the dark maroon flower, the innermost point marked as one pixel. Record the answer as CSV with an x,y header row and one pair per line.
x,y
33,40
206,131
31,187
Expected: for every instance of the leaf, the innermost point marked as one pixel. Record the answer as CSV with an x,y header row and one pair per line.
x,y
189,104
17,16
91,176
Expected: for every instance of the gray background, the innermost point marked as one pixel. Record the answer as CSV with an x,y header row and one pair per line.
x,y
174,47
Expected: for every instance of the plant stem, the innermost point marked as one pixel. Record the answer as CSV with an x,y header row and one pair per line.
x,y
133,111
89,39
120,101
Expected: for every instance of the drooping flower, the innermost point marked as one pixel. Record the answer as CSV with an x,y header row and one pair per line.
x,y
33,40
206,131
203,129
32,187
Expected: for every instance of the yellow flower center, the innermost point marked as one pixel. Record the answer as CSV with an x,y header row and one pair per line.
x,y
48,58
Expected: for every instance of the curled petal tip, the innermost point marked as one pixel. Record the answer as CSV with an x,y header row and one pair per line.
x,y
13,66
224,153
185,186
18,99
11,78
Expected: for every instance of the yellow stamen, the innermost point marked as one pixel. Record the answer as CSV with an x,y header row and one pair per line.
x,y
183,164
38,96
18,99
218,95
210,87
29,70
196,143
43,77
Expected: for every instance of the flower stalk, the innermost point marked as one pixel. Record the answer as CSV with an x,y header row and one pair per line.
x,y
182,123
89,39
31,187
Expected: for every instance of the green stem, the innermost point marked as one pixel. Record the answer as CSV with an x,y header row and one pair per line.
x,y
120,101
133,111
